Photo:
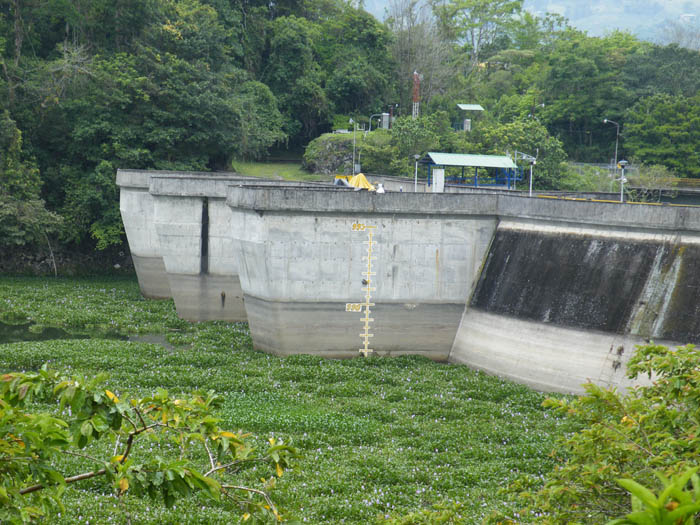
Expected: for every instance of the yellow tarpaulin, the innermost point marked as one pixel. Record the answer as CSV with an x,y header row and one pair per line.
x,y
360,181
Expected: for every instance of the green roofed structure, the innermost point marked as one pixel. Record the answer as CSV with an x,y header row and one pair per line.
x,y
470,107
484,170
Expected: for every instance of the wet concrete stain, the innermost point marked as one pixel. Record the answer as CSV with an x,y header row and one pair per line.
x,y
593,283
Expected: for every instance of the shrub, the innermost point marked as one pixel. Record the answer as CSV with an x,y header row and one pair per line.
x,y
651,428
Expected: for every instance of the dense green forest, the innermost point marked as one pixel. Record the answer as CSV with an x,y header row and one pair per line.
x,y
89,86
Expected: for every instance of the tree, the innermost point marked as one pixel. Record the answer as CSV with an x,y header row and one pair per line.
x,y
294,76
154,84
676,504
354,85
538,33
351,47
663,129
151,110
23,216
682,33
531,137
662,69
32,443
416,136
419,46
477,24
582,86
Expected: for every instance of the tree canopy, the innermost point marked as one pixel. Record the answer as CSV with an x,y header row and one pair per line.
x,y
88,87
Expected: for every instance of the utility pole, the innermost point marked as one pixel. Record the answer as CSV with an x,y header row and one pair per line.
x,y
391,114
622,165
617,139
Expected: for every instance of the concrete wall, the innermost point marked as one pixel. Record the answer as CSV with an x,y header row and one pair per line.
x,y
192,220
136,207
567,290
301,262
549,292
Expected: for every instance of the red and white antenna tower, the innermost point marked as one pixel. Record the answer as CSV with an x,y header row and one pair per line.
x,y
416,94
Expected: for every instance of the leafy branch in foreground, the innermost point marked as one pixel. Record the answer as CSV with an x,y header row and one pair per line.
x,y
652,431
32,442
673,506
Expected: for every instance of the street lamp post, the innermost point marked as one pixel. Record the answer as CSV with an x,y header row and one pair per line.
x,y
617,138
415,177
623,163
354,129
532,160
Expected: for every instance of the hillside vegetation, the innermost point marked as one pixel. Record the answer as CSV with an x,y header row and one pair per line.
x,y
89,87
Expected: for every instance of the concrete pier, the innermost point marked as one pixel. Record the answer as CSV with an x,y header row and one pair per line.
x,y
192,220
302,256
136,207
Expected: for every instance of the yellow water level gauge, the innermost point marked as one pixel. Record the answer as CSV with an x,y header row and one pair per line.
x,y
368,274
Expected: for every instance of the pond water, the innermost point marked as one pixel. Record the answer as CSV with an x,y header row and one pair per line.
x,y
17,333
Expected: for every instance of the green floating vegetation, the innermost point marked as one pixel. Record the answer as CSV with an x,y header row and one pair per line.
x,y
377,436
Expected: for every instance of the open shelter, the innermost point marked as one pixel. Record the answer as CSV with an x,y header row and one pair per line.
x,y
470,170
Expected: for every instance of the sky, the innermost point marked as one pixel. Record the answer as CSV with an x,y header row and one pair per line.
x,y
598,17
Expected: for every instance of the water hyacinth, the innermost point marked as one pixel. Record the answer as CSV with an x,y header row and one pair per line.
x,y
377,436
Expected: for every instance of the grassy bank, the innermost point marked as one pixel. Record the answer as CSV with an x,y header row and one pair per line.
x,y
377,436
277,170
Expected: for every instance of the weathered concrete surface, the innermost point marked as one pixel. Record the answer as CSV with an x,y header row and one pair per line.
x,y
544,356
628,217
301,262
136,207
558,305
566,290
324,328
191,219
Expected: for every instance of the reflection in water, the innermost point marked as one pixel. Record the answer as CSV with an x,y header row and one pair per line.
x,y
155,339
17,333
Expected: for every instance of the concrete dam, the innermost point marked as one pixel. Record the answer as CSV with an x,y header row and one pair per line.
x,y
548,292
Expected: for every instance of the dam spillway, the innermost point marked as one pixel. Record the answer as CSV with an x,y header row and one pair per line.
x,y
573,302
548,292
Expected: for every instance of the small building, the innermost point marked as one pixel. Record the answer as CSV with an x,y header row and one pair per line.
x,y
466,123
470,170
